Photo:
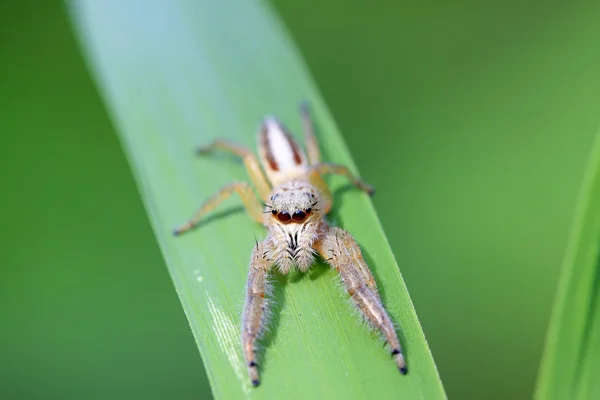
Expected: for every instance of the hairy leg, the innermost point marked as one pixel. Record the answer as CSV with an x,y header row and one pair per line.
x,y
325,198
253,319
342,253
335,169
312,147
250,161
253,207
346,243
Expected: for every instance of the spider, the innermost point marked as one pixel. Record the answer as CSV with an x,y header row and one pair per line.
x,y
296,201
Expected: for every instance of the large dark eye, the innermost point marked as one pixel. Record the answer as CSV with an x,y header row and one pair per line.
x,y
299,216
273,212
284,216
308,210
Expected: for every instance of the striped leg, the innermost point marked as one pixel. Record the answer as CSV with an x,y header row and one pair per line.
x,y
255,309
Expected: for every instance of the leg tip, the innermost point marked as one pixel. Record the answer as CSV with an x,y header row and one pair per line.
x,y
176,232
371,192
202,150
255,382
397,354
305,106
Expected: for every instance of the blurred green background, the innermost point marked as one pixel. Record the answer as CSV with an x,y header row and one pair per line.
x,y
473,122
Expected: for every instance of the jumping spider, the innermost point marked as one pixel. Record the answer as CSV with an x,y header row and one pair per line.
x,y
297,200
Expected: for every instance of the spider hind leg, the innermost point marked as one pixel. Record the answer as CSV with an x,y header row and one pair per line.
x,y
253,207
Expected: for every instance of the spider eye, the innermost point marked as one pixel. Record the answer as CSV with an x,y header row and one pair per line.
x,y
299,216
308,210
273,212
284,216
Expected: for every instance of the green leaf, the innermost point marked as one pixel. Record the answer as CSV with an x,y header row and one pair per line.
x,y
178,74
571,363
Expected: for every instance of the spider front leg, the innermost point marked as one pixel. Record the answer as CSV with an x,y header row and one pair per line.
x,y
345,241
256,307
340,250
253,207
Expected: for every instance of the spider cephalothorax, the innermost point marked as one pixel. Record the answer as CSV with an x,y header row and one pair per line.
x,y
293,218
296,201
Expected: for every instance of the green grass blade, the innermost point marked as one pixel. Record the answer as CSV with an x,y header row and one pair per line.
x,y
181,73
571,363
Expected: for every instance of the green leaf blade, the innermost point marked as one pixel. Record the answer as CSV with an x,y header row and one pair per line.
x,y
570,364
180,74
